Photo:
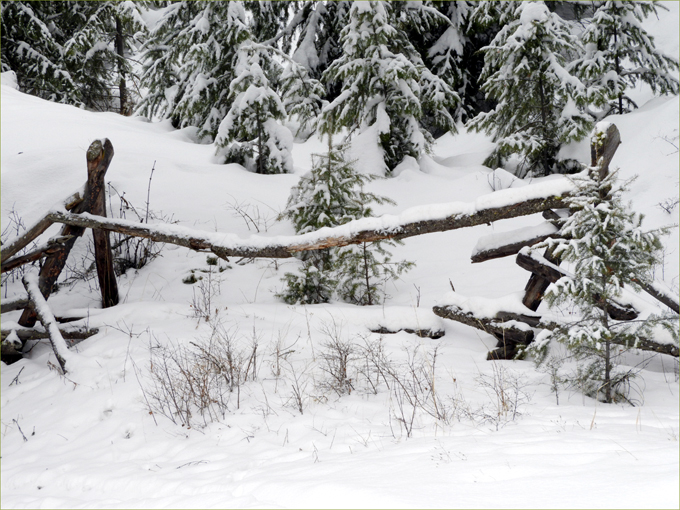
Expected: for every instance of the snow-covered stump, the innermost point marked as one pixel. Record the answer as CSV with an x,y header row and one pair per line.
x,y
43,312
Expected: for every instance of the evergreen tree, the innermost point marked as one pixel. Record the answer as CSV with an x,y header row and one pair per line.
x,y
381,85
325,197
34,52
250,133
539,103
604,241
333,194
189,64
302,97
619,54
97,52
163,56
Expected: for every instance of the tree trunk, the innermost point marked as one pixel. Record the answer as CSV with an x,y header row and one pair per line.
x,y
120,51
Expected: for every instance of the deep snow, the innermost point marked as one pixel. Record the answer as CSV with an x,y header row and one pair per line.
x,y
91,442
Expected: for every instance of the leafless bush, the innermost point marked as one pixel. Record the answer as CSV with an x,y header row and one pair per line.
x,y
14,228
669,204
280,352
414,389
252,215
204,294
337,357
299,382
193,383
506,391
130,252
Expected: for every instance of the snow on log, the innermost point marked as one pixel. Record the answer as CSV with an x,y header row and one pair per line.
x,y
511,323
505,318
661,293
71,336
503,204
503,244
18,303
14,246
48,321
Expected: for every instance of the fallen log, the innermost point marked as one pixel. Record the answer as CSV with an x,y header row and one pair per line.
x,y
15,245
421,332
660,294
501,328
48,321
643,344
412,222
70,334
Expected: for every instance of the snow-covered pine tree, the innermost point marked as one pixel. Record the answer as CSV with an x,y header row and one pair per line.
x,y
31,48
604,241
440,103
448,55
539,104
251,133
163,56
331,194
189,64
325,197
97,53
619,54
302,97
381,85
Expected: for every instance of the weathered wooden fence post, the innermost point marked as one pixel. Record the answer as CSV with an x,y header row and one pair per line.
x,y
98,159
99,156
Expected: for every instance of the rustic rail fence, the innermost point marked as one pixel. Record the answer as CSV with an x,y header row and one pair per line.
x,y
87,209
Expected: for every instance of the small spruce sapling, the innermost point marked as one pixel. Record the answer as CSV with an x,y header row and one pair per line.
x,y
604,241
330,195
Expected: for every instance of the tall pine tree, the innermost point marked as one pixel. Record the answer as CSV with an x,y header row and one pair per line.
x,y
539,104
619,54
384,85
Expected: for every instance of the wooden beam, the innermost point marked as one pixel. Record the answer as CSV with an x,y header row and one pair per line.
x,y
15,245
51,247
513,240
550,273
284,247
497,327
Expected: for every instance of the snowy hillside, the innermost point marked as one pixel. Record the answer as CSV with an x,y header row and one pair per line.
x,y
287,436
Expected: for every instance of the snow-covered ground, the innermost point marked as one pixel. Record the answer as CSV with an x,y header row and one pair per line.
x,y
89,440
